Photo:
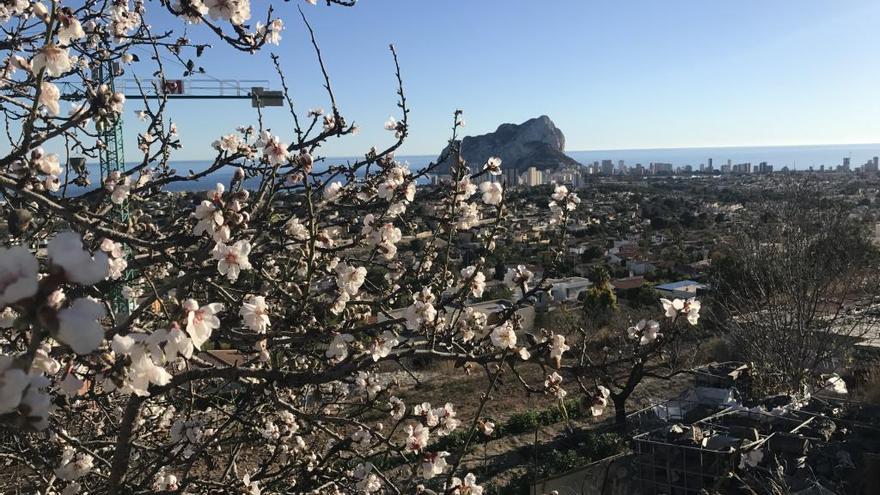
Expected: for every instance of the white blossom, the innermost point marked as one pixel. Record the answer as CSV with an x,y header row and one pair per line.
x,y
78,325
557,348
255,313
74,465
492,193
65,251
553,386
338,348
690,308
18,275
503,336
478,284
383,344
50,97
350,278
433,463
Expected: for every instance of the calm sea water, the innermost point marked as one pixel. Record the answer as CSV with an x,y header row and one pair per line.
x,y
793,157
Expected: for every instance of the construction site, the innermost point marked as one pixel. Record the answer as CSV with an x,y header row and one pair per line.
x,y
710,441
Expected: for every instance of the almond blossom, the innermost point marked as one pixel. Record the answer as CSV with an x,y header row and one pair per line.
x,y
66,252
350,278
383,344
18,274
492,193
210,219
518,277
553,386
421,312
74,465
69,29
503,336
234,11
231,260
254,313
690,308
646,331
50,97
13,382
493,165
477,284
118,186
468,486
433,463
116,252
338,348
53,59
201,321
78,325
274,151
557,348
416,437
599,401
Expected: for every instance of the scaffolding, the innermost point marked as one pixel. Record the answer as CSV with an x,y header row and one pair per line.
x,y
683,460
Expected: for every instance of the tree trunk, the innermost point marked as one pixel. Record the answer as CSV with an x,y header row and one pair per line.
x,y
620,412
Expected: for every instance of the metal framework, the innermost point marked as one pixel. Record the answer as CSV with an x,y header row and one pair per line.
x,y
112,155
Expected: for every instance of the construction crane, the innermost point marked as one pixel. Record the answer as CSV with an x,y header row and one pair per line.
x,y
112,153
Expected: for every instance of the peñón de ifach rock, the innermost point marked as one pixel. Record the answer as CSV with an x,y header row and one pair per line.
x,y
534,143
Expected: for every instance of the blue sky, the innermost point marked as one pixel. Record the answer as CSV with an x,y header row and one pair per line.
x,y
634,74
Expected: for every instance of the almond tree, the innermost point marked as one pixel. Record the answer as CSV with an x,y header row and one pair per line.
x,y
106,385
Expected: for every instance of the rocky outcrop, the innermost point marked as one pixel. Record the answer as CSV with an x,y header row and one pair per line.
x,y
534,143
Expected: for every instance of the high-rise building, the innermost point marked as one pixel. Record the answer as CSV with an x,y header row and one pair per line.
x,y
607,167
846,164
510,177
534,177
709,168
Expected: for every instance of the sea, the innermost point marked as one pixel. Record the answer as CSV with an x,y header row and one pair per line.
x,y
793,157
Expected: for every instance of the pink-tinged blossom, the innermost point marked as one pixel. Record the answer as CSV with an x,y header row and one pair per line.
x,y
54,59
231,260
201,321
416,437
468,486
274,151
